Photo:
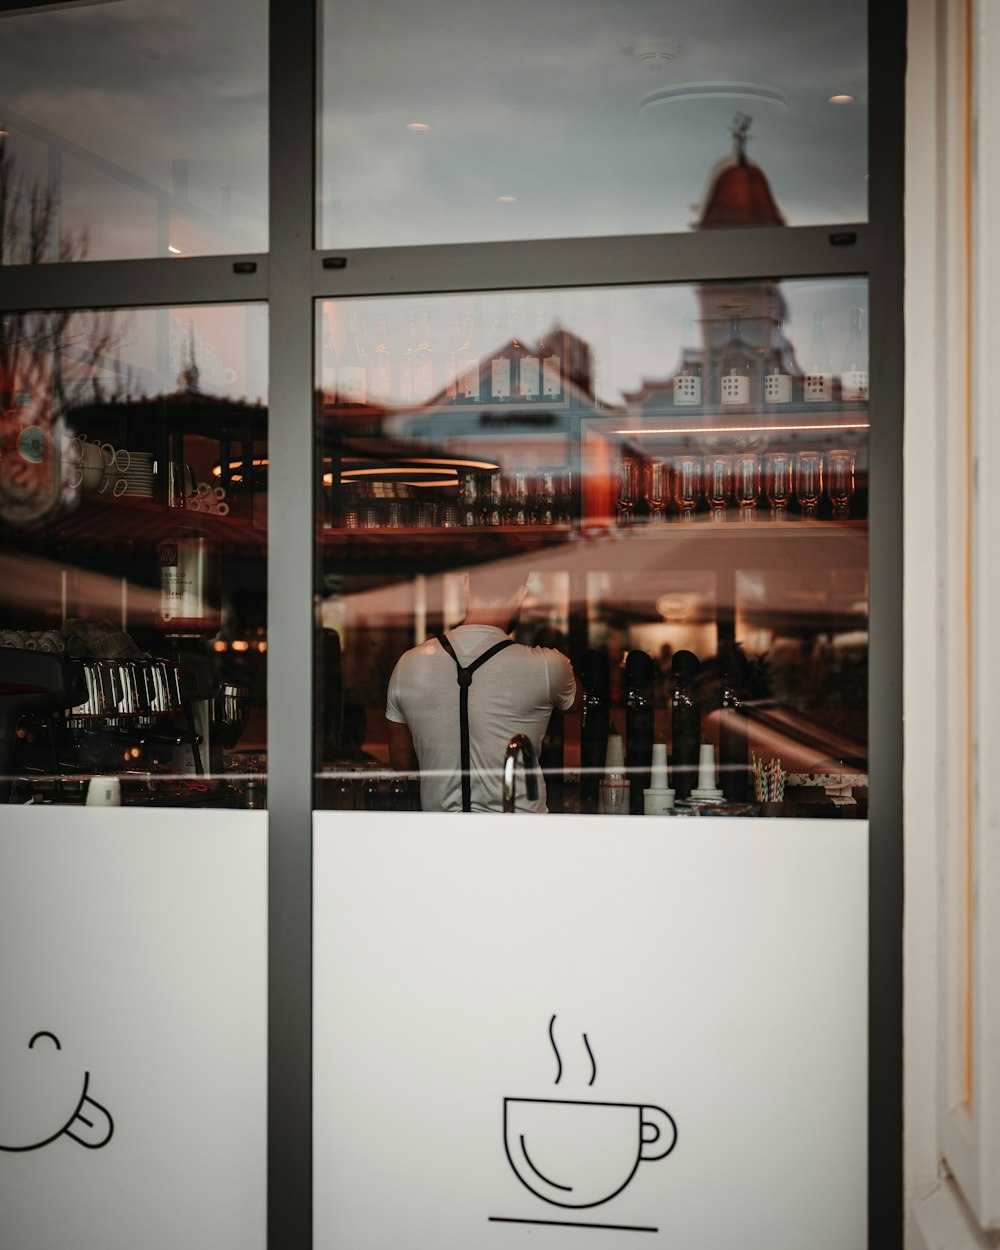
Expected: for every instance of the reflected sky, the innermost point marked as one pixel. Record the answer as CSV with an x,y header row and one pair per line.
x,y
148,98
544,119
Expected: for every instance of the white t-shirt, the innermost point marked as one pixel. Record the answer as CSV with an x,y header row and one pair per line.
x,y
514,692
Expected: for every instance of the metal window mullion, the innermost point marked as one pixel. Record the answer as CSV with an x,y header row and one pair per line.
x,y
730,255
132,283
290,624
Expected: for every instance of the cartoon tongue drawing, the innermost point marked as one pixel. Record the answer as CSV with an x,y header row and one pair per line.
x,y
43,1095
92,1125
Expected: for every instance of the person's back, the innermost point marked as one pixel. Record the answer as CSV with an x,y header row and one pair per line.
x,y
513,692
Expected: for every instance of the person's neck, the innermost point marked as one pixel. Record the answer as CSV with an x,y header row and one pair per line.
x,y
484,616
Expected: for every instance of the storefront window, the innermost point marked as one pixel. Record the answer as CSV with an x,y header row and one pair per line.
x,y
132,130
451,123
665,487
133,545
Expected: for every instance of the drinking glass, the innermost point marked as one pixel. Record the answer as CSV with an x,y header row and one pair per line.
x,y
491,499
657,490
746,484
718,484
808,481
687,485
628,489
543,507
515,494
468,496
778,483
840,481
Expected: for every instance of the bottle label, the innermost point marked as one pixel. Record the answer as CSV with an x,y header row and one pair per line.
x,y
406,381
380,382
469,386
854,384
350,384
423,378
687,390
552,375
528,378
450,379
817,388
735,389
778,388
500,377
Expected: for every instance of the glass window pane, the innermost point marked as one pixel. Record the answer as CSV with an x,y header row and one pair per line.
x,y
664,486
450,122
128,130
133,556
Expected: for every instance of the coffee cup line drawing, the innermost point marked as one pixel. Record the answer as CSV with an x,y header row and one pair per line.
x,y
578,1154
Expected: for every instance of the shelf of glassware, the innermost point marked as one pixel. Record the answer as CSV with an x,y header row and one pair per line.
x,y
804,465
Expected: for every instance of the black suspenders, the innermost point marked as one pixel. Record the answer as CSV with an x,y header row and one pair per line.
x,y
464,682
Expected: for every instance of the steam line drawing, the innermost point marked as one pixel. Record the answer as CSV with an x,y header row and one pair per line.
x,y
590,1053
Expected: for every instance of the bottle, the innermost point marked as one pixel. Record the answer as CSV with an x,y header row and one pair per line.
x,y
451,364
685,722
423,362
688,381
406,362
595,713
551,362
469,390
501,370
777,380
529,382
380,365
351,372
328,366
639,713
614,795
818,380
190,587
854,375
733,742
658,797
735,369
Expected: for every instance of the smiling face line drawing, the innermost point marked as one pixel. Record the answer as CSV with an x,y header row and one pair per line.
x,y
89,1123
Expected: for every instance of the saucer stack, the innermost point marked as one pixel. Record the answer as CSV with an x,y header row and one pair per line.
x,y
138,477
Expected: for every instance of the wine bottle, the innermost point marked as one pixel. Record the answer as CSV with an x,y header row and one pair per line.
x,y
777,380
467,362
380,365
351,372
639,713
594,722
735,369
818,381
406,362
688,390
500,368
685,723
423,362
529,373
854,375
734,763
451,365
551,362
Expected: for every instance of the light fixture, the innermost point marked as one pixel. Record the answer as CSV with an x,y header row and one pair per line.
x,y
174,251
841,99
741,429
506,199
417,126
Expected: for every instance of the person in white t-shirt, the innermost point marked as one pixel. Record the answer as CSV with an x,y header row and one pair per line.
x,y
514,691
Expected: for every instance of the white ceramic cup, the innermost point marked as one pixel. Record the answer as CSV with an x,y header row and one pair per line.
x,y
104,792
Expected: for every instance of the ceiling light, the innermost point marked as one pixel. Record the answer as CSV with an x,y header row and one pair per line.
x,y
174,251
841,99
417,126
506,199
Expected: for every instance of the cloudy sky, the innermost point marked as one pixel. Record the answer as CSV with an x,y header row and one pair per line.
x,y
541,100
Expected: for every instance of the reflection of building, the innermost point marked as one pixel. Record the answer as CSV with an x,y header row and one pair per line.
x,y
738,197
